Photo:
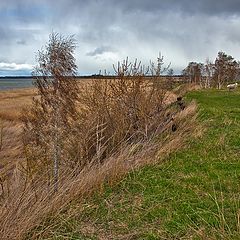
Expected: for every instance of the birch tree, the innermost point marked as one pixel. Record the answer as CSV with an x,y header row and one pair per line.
x,y
209,72
54,109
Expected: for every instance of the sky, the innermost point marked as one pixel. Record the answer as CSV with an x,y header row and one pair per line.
x,y
107,31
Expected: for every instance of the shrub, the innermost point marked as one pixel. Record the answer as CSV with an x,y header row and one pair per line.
x,y
117,111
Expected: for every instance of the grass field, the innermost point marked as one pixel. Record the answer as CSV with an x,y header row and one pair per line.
x,y
194,194
11,105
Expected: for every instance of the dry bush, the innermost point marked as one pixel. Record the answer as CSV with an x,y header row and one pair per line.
x,y
111,113
119,111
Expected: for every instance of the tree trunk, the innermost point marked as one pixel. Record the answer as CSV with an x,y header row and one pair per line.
x,y
56,150
55,160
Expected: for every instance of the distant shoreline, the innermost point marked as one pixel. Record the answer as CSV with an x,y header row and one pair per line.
x,y
15,77
21,82
83,77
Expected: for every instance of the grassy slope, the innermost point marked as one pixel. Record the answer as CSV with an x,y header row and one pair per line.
x,y
193,194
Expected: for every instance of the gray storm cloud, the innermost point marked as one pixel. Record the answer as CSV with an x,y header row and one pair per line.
x,y
100,51
110,30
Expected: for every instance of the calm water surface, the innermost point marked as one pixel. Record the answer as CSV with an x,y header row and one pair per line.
x,y
13,83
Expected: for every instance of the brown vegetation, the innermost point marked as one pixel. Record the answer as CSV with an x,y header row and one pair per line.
x,y
48,123
27,208
78,139
29,202
11,104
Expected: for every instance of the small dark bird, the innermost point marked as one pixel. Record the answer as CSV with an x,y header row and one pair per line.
x,y
174,127
180,103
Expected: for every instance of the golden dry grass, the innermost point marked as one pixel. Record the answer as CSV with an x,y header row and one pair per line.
x,y
12,102
11,105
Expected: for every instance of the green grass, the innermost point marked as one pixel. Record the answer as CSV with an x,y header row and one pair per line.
x,y
194,194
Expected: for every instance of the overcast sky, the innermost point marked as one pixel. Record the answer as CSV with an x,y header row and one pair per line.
x,y
109,30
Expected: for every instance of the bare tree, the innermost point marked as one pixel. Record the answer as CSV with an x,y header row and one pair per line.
x,y
55,108
157,69
209,72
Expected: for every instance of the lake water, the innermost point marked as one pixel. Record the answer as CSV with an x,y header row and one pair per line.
x,y
13,83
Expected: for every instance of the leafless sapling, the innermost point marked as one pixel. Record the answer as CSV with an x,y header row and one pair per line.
x,y
54,109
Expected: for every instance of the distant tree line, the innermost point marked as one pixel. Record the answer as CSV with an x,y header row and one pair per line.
x,y
224,70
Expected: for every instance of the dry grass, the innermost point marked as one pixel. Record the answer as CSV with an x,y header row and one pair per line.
x,y
11,105
31,201
12,101
26,208
185,88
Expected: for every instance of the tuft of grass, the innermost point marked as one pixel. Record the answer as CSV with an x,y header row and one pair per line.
x,y
194,194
